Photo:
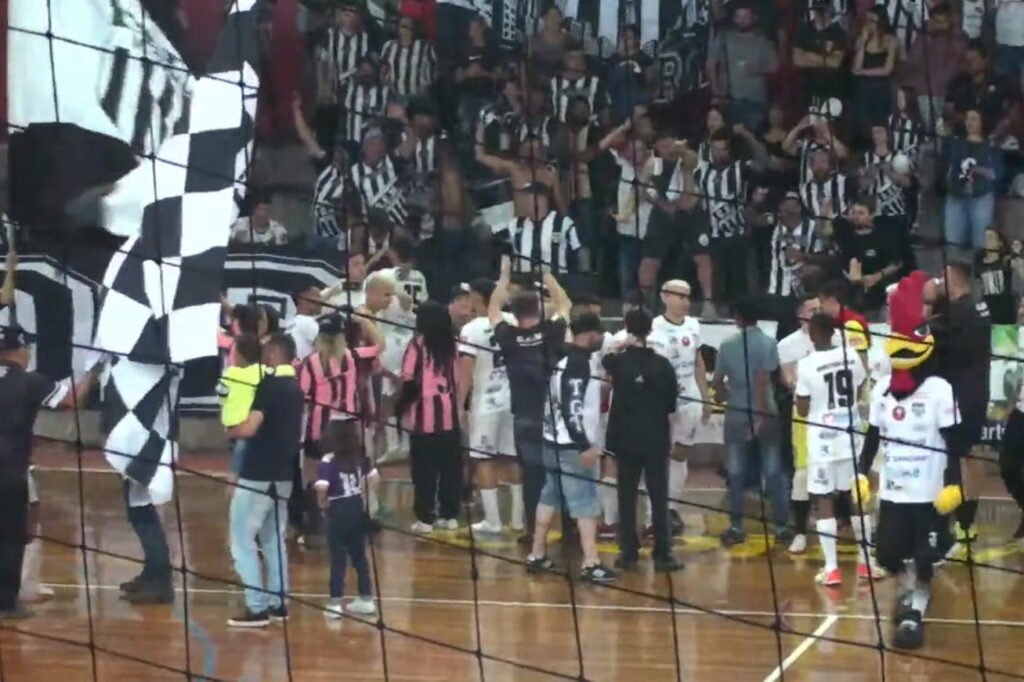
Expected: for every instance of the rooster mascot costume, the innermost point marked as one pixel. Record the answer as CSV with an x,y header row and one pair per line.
x,y
909,419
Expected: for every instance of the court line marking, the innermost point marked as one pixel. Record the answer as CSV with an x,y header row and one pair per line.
x,y
225,476
803,647
587,607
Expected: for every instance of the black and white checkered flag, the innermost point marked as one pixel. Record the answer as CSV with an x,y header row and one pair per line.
x,y
162,303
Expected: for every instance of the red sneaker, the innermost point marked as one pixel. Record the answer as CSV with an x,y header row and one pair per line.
x,y
829,578
607,531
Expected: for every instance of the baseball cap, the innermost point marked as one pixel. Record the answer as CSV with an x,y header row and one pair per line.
x,y
14,337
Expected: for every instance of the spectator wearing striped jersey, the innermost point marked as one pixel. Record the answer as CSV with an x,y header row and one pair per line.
x,y
364,100
575,81
572,418
377,180
340,48
723,188
427,405
409,60
826,193
331,165
541,239
890,190
797,249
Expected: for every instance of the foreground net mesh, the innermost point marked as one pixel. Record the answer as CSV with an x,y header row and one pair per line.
x,y
91,549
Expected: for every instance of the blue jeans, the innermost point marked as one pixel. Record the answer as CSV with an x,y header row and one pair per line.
x,y
737,457
630,252
237,453
259,511
967,218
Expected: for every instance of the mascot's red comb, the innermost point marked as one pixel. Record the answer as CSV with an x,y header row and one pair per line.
x,y
907,347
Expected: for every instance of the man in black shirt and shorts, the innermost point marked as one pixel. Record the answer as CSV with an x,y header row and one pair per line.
x,y
22,394
531,349
963,347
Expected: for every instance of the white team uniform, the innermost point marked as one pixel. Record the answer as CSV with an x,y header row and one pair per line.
x,y
490,407
914,447
611,343
679,344
398,327
830,379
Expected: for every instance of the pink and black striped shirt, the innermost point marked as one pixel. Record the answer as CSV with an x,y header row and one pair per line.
x,y
331,389
433,409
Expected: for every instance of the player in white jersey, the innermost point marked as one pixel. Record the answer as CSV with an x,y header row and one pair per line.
x,y
827,385
483,380
911,428
676,336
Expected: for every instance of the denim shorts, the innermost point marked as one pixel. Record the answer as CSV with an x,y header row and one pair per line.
x,y
576,484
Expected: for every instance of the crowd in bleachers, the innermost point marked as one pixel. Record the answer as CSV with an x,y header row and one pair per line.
x,y
748,147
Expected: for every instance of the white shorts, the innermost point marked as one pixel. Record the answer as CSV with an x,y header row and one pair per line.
x,y
685,422
491,434
825,478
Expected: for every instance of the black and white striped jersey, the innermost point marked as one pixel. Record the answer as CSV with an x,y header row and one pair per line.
x,y
360,105
411,68
380,188
840,9
146,87
343,50
327,192
564,89
813,193
547,246
908,17
904,134
724,193
889,199
541,132
784,276
806,148
425,155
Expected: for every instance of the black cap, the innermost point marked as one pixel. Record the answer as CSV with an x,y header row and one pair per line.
x,y
332,325
13,337
460,289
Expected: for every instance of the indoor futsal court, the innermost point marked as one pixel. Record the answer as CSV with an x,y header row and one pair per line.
x,y
726,621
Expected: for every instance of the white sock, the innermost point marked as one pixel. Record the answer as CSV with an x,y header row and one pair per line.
x,y
919,600
608,495
517,520
863,535
908,579
827,529
30,569
492,513
677,473
648,514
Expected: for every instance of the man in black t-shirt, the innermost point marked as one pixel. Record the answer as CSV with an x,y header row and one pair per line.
x,y
259,507
22,395
531,349
962,329
818,54
869,258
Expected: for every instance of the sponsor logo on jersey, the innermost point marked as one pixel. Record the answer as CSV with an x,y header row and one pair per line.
x,y
898,413
918,409
685,340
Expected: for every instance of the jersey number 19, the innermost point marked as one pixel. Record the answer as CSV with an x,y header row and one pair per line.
x,y
840,388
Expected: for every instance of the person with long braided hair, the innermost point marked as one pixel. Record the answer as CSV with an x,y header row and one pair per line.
x,y
430,413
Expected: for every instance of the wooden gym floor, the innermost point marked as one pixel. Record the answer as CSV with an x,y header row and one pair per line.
x,y
427,603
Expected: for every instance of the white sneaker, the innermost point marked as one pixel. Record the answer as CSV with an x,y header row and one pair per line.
x,y
362,607
799,544
421,528
487,528
334,611
446,524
